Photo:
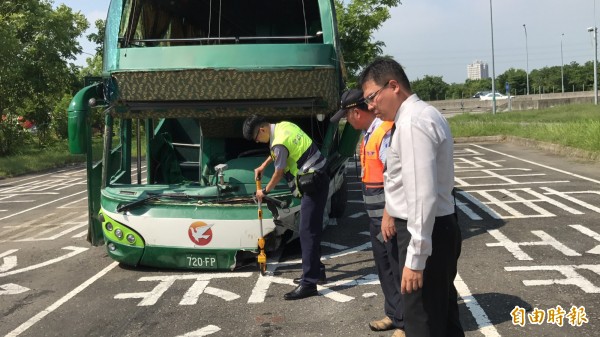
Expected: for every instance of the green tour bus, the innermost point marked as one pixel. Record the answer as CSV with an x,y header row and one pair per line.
x,y
175,185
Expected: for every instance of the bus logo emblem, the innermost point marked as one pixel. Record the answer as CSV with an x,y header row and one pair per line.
x,y
200,233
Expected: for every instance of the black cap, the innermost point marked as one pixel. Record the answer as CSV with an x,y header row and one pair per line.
x,y
350,99
250,125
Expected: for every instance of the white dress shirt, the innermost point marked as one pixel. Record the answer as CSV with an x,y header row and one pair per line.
x,y
420,174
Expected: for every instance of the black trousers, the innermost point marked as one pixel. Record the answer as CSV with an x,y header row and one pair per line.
x,y
312,209
385,255
432,311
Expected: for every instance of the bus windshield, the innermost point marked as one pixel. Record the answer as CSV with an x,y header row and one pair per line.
x,y
150,23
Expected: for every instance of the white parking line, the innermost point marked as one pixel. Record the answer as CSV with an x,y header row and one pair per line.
x,y
29,323
483,322
42,205
540,165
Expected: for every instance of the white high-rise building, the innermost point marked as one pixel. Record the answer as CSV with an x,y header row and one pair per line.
x,y
477,70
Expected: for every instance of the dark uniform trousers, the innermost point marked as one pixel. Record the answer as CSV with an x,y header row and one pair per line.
x,y
312,209
385,255
432,311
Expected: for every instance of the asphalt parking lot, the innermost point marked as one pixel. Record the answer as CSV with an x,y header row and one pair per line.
x,y
529,263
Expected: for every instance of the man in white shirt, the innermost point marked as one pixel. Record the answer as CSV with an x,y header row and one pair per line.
x,y
418,181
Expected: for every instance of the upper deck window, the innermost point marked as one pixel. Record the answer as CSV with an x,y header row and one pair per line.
x,y
148,23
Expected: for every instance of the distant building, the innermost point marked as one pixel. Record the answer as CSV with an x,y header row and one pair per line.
x,y
477,70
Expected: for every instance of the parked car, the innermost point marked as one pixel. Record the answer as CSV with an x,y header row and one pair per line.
x,y
490,96
479,94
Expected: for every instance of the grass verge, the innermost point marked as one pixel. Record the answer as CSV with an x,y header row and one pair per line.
x,y
576,126
34,159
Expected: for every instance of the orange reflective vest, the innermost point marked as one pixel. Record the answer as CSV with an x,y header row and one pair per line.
x,y
372,170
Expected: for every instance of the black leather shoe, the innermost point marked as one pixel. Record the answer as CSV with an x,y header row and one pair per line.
x,y
320,281
301,292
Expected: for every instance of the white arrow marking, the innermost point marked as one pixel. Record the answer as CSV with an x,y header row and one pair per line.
x,y
9,261
75,251
207,330
12,289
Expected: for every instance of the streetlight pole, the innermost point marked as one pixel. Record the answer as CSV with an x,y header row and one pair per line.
x,y
562,65
493,63
594,30
527,55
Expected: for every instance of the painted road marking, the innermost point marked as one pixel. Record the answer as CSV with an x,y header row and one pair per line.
x,y
42,205
207,330
263,283
483,322
572,277
29,323
504,198
75,251
540,165
55,236
67,205
357,215
9,262
565,195
36,228
464,163
191,296
12,289
519,254
590,233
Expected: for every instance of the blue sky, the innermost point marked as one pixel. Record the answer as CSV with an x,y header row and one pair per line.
x,y
439,38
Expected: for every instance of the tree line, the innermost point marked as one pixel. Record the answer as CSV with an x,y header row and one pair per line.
x,y
575,76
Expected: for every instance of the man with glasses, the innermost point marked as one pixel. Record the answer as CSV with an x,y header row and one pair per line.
x,y
418,181
293,154
376,139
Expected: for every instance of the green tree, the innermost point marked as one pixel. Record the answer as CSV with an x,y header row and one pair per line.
x,y
516,78
430,88
59,122
38,43
357,20
94,64
456,91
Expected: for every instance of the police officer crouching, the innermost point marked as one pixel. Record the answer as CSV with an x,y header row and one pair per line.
x,y
296,157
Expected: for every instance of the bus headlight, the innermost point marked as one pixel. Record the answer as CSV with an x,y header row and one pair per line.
x,y
130,238
112,247
109,226
119,233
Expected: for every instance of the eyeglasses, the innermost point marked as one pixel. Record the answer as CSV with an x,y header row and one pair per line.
x,y
369,99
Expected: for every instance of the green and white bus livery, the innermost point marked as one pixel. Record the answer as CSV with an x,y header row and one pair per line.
x,y
174,188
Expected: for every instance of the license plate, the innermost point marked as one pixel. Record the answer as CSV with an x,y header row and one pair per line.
x,y
201,261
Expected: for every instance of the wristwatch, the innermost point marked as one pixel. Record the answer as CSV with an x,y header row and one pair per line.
x,y
264,190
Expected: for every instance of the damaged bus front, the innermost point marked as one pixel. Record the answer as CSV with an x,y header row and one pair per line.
x,y
175,185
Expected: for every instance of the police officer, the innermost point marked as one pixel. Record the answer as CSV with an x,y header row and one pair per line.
x,y
297,158
376,138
